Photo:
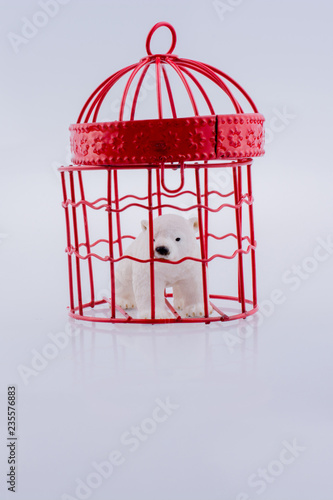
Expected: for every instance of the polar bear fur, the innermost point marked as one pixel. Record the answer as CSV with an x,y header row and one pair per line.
x,y
174,239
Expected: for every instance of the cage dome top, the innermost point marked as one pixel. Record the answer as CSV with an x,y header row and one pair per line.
x,y
200,137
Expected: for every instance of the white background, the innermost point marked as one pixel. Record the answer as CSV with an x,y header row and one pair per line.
x,y
242,390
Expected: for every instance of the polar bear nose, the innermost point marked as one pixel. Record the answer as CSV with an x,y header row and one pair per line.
x,y
162,250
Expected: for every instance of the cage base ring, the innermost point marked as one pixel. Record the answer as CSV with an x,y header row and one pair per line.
x,y
127,318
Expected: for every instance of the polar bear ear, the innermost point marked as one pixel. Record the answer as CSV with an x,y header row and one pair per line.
x,y
144,225
194,223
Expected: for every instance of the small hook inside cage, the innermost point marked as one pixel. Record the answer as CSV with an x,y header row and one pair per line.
x,y
182,179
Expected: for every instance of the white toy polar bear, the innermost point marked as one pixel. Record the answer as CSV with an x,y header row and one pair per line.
x,y
174,239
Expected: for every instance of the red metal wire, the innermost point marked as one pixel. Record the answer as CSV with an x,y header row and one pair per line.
x,y
202,245
102,90
76,242
158,86
72,251
110,240
167,84
116,202
137,90
128,84
68,235
158,192
206,71
131,320
182,180
86,232
152,31
186,85
252,239
135,166
231,80
241,295
200,87
206,205
151,245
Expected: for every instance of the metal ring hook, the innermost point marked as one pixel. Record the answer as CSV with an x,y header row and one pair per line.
x,y
182,179
152,31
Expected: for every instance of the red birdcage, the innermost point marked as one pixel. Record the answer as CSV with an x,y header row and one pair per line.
x,y
127,167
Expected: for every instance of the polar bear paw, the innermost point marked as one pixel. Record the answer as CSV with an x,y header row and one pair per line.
x,y
126,303
196,310
159,314
178,304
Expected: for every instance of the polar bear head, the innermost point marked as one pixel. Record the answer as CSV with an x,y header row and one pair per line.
x,y
174,236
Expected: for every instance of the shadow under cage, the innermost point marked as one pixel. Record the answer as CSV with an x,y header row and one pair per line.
x,y
127,170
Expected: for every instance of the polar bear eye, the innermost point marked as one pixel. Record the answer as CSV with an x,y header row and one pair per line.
x,y
177,239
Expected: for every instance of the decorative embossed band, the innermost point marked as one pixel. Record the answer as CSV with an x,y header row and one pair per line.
x,y
168,140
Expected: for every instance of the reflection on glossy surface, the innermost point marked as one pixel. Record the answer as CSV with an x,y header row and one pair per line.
x,y
164,352
159,412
